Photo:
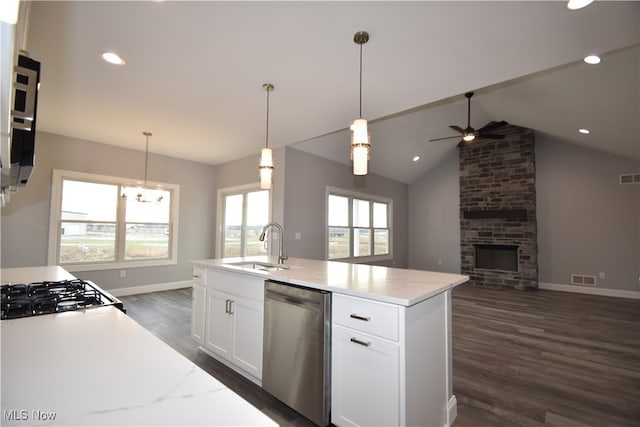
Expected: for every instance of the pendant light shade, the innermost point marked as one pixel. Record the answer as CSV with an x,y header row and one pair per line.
x,y
360,136
266,156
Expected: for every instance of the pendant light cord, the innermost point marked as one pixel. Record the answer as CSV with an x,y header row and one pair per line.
x,y
267,139
360,80
146,159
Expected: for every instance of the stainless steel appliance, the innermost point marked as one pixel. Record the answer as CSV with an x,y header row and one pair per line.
x,y
32,299
297,339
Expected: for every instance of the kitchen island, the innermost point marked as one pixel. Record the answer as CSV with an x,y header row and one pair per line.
x,y
98,367
390,362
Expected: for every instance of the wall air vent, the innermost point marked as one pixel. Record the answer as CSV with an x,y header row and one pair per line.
x,y
630,178
583,280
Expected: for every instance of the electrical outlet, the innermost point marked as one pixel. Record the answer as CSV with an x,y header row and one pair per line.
x,y
601,275
123,274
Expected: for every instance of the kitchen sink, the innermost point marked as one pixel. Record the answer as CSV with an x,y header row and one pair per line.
x,y
261,266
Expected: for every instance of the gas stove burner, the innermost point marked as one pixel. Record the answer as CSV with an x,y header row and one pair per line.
x,y
14,291
22,300
16,308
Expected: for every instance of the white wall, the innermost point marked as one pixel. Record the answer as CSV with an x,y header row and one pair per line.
x,y
25,219
305,206
434,218
587,222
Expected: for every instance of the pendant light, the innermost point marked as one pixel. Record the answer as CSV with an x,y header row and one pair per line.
x,y
360,137
141,195
266,157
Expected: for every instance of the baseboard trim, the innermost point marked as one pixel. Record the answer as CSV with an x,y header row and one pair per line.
x,y
154,287
618,293
452,410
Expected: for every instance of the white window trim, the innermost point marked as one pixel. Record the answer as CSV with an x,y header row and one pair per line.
x,y
364,196
56,206
222,192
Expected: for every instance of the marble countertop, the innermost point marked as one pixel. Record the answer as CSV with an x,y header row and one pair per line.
x,y
392,285
98,367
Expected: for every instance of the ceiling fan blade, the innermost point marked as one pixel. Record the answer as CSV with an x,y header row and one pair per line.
x,y
457,128
490,136
492,125
446,137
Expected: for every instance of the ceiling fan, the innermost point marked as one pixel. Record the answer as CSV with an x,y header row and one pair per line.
x,y
470,134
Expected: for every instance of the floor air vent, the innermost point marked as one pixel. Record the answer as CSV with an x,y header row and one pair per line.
x,y
582,280
630,178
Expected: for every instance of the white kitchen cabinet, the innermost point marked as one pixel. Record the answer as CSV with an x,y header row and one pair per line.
x,y
198,310
387,363
234,321
365,379
198,304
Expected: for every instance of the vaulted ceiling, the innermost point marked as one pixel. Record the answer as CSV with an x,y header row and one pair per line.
x,y
194,73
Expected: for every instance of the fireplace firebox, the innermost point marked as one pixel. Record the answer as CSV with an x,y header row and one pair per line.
x,y
496,257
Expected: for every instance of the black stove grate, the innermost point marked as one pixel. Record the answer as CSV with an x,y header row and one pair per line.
x,y
24,300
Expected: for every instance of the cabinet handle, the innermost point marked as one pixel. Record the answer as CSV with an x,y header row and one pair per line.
x,y
196,276
357,341
231,306
363,318
226,305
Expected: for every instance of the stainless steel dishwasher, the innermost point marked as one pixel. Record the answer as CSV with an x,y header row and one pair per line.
x,y
297,340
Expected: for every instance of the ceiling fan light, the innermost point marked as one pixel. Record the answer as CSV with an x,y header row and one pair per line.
x,y
468,137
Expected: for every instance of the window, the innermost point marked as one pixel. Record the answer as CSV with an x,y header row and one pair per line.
x,y
358,226
93,225
245,212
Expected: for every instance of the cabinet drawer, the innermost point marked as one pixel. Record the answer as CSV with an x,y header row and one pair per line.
x,y
199,275
368,316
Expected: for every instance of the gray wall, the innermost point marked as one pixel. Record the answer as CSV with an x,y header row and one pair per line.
x,y
434,218
25,219
587,222
306,180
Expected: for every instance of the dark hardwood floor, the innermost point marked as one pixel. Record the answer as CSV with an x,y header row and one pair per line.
x,y
542,358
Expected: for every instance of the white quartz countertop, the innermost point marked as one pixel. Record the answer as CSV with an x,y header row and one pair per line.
x,y
98,367
386,284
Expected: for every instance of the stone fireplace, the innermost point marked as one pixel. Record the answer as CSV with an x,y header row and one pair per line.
x,y
498,227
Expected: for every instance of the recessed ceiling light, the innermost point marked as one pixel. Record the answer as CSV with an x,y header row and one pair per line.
x,y
416,158
592,59
578,4
584,131
113,58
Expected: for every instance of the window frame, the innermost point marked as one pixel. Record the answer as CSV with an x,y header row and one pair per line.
x,y
371,199
55,219
220,212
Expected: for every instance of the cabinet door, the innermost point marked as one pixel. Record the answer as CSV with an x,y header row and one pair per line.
x,y
219,322
198,309
247,335
365,379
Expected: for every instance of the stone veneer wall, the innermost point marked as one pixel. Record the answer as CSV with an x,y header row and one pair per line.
x,y
498,205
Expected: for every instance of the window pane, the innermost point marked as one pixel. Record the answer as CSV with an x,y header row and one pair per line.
x,y
149,210
379,215
87,242
360,213
146,241
339,242
257,218
338,211
232,225
380,242
88,201
362,243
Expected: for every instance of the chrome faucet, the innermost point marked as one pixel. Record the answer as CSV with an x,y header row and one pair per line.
x,y
281,253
